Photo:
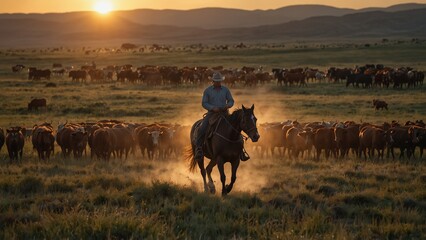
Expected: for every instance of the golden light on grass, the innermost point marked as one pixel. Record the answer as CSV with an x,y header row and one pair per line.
x,y
103,7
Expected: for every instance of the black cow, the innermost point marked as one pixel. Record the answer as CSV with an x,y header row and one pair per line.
x,y
359,79
380,104
278,75
17,68
37,74
77,75
338,74
36,104
15,142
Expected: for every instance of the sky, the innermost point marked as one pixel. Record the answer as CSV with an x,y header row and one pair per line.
x,y
42,6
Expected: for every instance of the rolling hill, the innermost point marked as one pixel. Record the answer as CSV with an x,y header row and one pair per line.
x,y
211,18
83,27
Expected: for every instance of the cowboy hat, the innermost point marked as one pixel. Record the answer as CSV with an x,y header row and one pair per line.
x,y
217,77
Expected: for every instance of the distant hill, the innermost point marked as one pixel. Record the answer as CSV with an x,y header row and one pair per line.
x,y
86,27
210,18
410,23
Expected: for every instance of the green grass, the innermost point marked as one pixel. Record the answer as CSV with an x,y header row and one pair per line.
x,y
272,197
317,102
90,199
292,55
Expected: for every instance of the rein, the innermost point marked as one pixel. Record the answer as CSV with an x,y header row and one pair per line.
x,y
244,138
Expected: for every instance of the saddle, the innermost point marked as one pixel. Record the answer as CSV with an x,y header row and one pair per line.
x,y
214,119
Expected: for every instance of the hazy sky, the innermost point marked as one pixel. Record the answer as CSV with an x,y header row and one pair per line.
x,y
11,6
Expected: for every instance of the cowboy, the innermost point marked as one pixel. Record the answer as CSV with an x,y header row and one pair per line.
x,y
216,99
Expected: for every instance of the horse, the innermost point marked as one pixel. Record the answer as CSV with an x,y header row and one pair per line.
x,y
224,145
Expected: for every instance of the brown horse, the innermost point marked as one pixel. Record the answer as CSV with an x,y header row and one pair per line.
x,y
224,145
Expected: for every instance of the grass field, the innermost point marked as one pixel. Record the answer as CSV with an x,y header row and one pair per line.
x,y
273,197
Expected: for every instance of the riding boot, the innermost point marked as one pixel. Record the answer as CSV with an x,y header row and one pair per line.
x,y
244,155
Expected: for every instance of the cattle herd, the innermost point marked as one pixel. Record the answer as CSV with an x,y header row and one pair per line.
x,y
105,139
366,76
361,140
290,139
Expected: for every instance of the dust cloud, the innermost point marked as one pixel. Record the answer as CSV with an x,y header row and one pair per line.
x,y
250,178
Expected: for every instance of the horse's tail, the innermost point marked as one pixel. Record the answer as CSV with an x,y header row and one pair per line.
x,y
189,156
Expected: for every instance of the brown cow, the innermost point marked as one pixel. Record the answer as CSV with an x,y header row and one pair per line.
x,y
148,139
91,130
78,143
272,138
125,140
418,137
96,75
310,74
15,142
373,139
400,138
62,140
152,78
103,144
43,141
299,140
37,103
166,141
347,138
250,79
294,76
283,138
64,137
324,140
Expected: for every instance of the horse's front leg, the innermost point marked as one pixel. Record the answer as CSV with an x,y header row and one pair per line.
x,y
220,166
234,165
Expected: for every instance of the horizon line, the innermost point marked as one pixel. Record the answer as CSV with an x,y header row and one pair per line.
x,y
192,9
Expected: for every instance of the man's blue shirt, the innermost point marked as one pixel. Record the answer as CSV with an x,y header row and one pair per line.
x,y
217,97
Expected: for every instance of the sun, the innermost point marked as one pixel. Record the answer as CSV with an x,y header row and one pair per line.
x,y
103,7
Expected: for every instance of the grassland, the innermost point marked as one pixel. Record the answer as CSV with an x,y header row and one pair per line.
x,y
273,197
293,54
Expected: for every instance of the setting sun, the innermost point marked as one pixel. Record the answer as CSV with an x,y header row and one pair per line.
x,y
103,7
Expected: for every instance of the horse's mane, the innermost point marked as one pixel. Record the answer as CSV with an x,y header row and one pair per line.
x,y
235,115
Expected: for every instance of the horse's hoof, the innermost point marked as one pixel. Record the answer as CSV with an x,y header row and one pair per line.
x,y
228,188
212,189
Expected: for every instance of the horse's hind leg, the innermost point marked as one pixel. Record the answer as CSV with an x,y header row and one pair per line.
x,y
203,174
209,169
234,165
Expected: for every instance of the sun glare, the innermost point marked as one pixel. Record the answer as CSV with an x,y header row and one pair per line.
x,y
103,7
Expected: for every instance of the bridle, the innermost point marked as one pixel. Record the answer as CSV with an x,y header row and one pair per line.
x,y
244,138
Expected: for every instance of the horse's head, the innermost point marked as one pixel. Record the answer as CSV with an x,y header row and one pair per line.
x,y
248,123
